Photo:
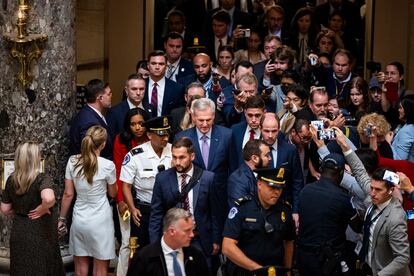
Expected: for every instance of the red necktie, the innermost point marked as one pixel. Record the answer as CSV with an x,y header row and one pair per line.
x,y
185,201
154,96
251,137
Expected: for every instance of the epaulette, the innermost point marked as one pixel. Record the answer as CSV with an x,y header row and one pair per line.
x,y
242,200
136,151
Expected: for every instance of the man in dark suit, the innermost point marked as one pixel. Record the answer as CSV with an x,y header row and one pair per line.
x,y
212,145
274,18
161,92
270,44
246,130
135,90
191,188
98,98
193,91
173,254
286,156
242,182
220,24
177,67
203,74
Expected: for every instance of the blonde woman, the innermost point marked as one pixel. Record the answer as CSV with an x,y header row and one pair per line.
x,y
92,230
29,196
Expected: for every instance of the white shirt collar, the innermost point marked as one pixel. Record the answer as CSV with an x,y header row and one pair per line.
x,y
189,173
383,205
175,64
345,80
161,82
96,110
131,105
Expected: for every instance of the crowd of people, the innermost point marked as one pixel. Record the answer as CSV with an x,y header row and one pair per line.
x,y
254,147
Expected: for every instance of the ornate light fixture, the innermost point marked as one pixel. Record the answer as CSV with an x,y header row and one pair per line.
x,y
25,47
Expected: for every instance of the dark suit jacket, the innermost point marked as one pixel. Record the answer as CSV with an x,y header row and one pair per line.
x,y
86,118
150,261
224,83
288,158
185,68
209,42
173,96
237,136
206,212
116,115
241,182
219,157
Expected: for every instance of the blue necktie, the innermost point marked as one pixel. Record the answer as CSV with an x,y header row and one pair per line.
x,y
176,265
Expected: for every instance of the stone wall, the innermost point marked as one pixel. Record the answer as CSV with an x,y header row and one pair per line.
x,y
43,111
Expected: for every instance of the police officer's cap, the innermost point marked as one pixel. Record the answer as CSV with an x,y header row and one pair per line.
x,y
334,161
274,177
158,125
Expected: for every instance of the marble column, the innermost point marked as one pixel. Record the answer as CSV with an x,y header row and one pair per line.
x,y
42,112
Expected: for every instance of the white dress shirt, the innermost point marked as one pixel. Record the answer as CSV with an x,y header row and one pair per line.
x,y
217,44
190,193
274,153
174,69
131,105
246,137
166,250
200,142
160,93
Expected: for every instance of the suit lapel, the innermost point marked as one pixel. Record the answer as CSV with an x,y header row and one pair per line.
x,y
381,221
196,188
199,157
214,143
101,121
174,184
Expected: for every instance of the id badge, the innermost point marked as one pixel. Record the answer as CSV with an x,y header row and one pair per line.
x,y
358,247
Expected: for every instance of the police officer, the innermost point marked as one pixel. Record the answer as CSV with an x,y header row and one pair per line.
x,y
325,210
259,230
139,169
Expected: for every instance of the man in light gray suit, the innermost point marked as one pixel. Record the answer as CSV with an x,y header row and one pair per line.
x,y
385,248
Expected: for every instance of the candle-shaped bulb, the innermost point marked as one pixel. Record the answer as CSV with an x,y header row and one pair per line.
x,y
20,15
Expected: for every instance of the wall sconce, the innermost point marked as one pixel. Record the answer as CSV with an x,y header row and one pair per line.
x,y
25,47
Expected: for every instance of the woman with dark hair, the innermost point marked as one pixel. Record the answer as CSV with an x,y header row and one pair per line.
x,y
358,98
303,32
134,134
92,230
29,196
253,52
225,58
327,42
337,23
403,142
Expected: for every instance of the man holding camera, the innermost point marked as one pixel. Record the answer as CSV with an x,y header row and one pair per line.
x,y
259,230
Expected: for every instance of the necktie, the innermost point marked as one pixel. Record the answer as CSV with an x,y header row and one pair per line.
x,y
176,265
205,150
273,161
251,137
365,241
170,71
185,201
154,96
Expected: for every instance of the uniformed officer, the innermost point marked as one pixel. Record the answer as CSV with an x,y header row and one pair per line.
x,y
259,230
325,210
139,169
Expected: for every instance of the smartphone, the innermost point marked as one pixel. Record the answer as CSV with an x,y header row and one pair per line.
x,y
268,91
391,177
368,131
236,91
246,32
326,134
318,125
392,91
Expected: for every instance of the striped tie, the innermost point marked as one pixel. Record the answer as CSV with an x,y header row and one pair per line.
x,y
154,96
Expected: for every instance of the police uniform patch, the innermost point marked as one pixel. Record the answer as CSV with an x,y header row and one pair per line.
x,y
283,216
126,160
232,213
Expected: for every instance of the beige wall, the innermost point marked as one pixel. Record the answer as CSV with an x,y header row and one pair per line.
x,y
394,34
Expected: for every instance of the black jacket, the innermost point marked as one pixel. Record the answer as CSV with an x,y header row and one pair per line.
x,y
150,261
